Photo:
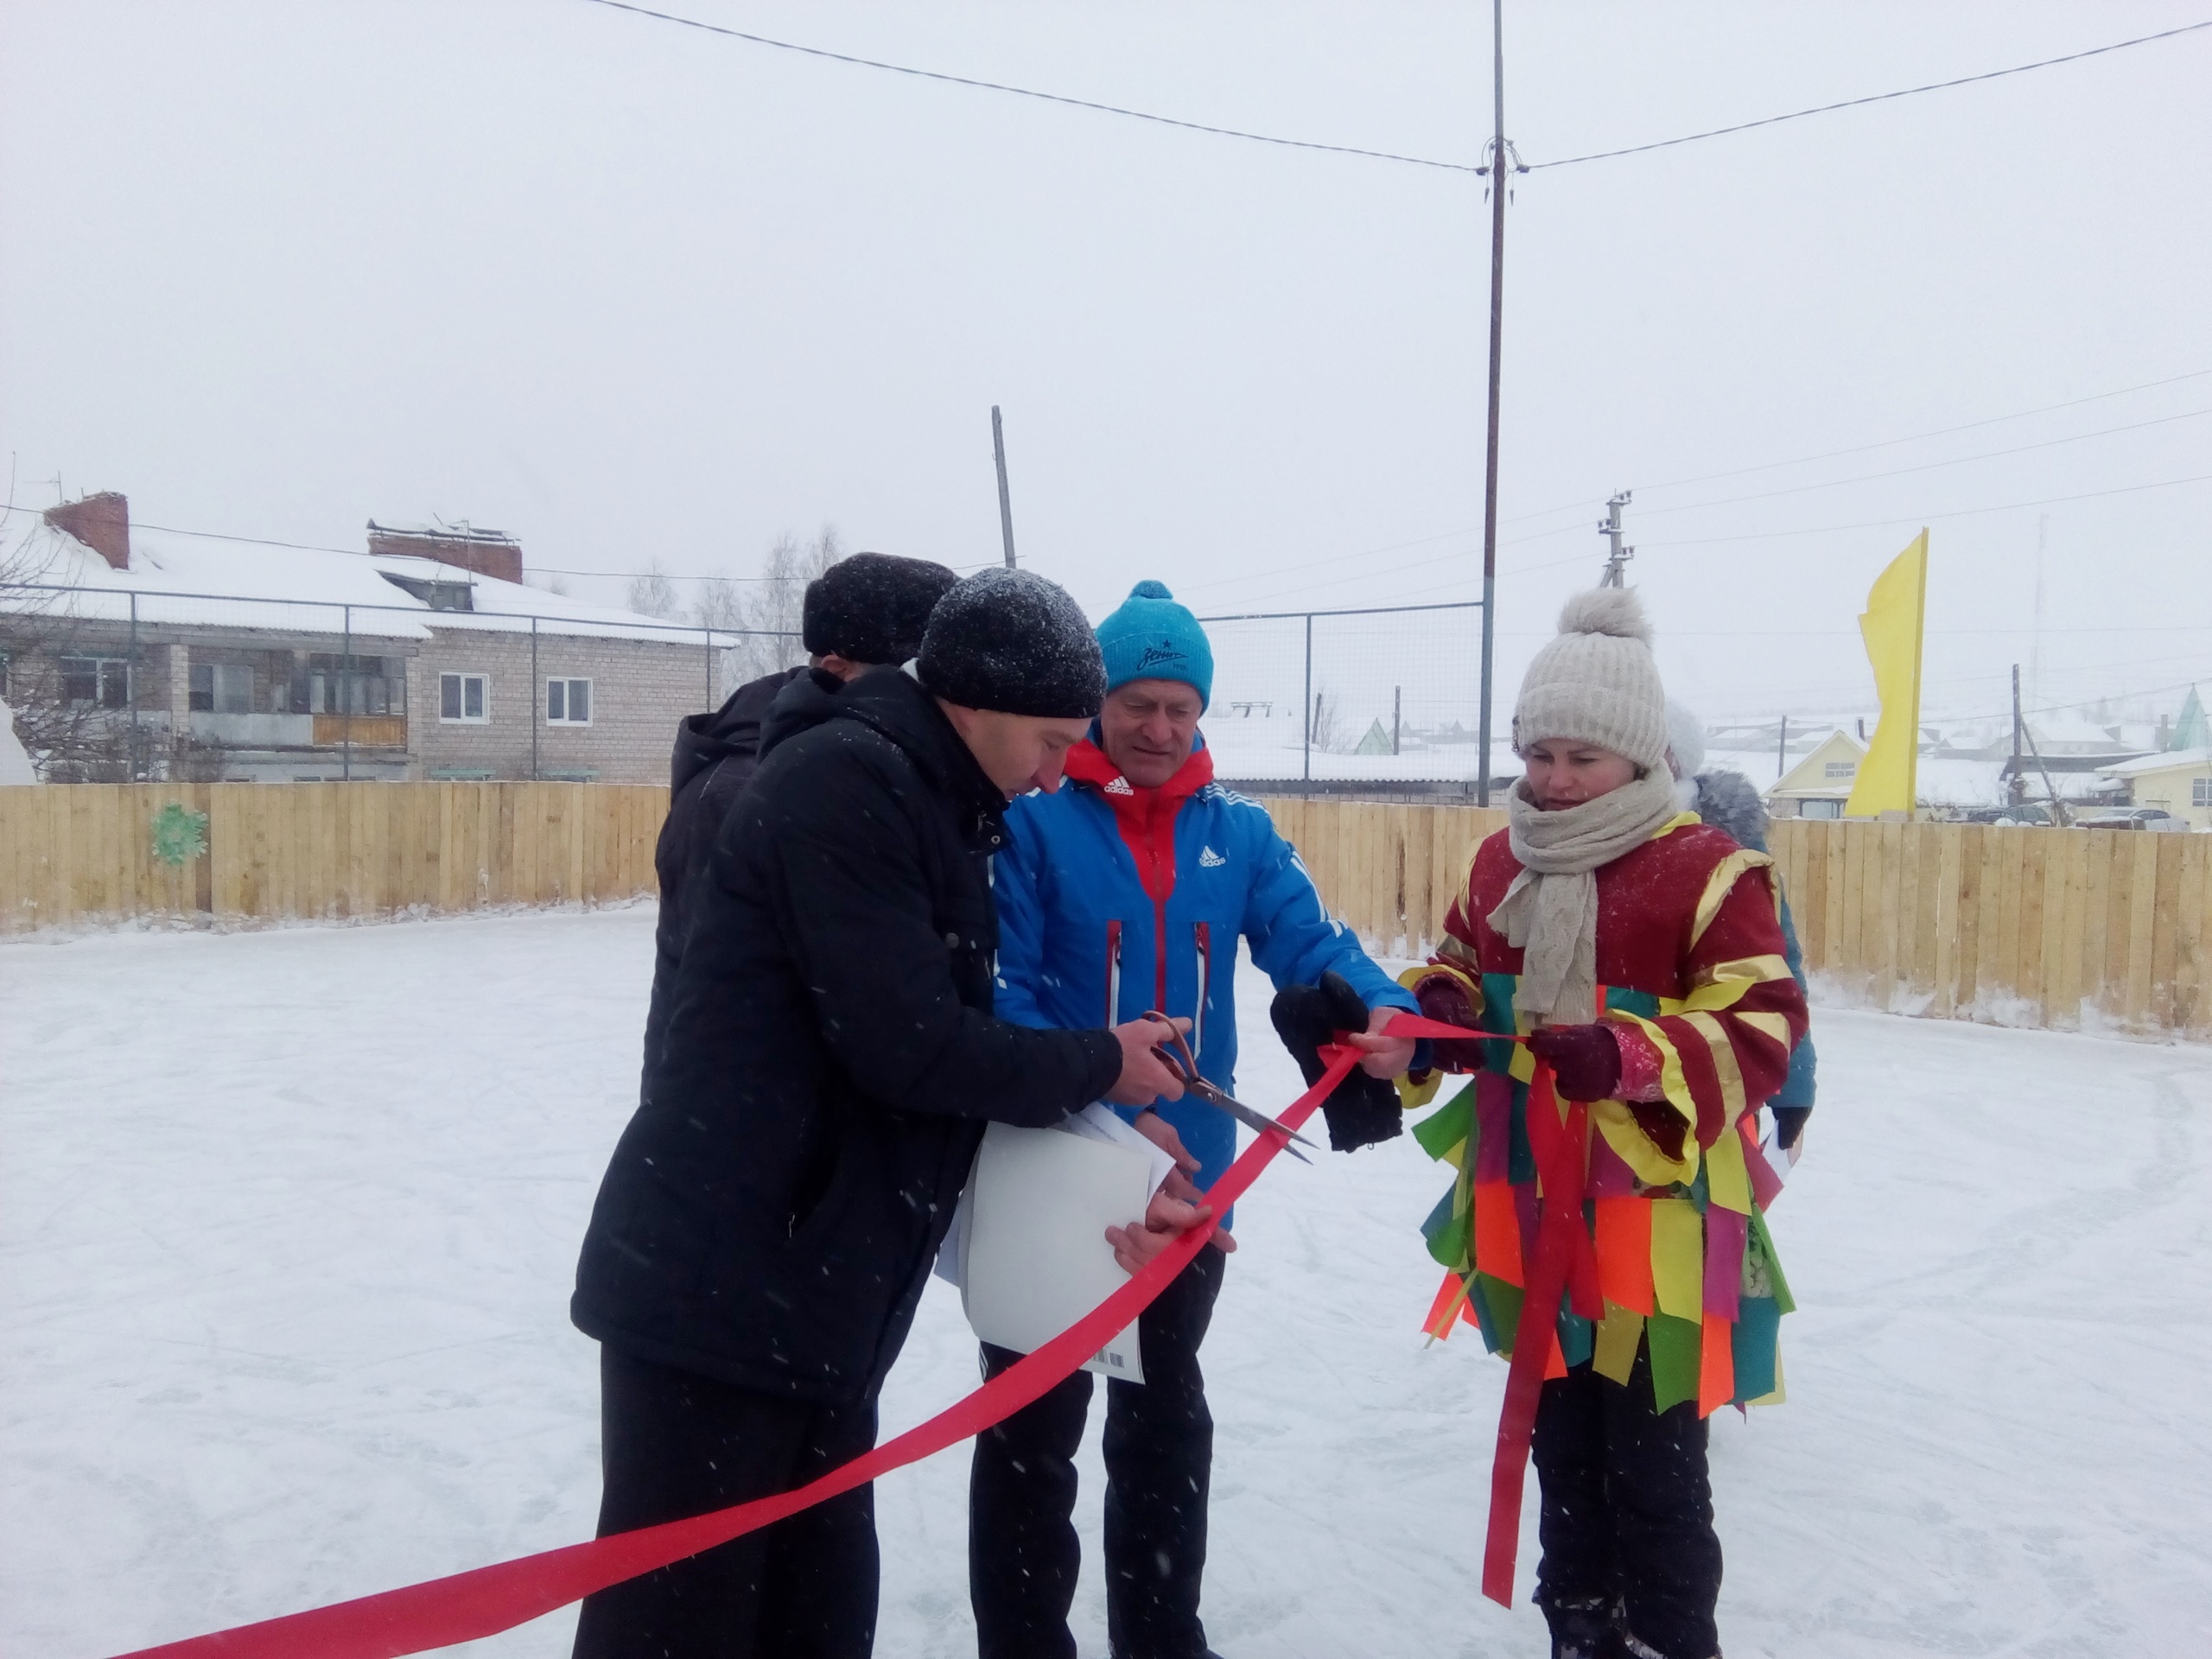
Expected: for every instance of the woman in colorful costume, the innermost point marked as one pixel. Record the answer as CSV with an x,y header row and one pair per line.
x,y
1641,953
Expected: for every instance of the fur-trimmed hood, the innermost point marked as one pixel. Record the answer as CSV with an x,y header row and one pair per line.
x,y
1730,801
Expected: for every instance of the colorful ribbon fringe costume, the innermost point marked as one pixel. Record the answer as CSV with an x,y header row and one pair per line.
x,y
1690,953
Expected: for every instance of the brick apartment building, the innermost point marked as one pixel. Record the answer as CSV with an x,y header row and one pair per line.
x,y
425,656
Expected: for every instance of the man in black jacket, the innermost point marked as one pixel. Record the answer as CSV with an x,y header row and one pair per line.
x,y
865,612
771,1213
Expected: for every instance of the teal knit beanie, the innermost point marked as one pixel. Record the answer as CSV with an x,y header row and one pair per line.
x,y
1153,638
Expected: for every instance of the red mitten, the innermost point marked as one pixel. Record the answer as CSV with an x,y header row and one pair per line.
x,y
1445,997
1586,1061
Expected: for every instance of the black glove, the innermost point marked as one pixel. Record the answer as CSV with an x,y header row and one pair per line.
x,y
1788,1124
1586,1061
1361,1110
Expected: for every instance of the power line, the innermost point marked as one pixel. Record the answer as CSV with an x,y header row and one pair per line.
x,y
1031,91
1931,465
1961,512
1584,504
1099,108
1876,97
1703,541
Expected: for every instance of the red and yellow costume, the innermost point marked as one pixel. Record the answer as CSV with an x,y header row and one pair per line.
x,y
1690,955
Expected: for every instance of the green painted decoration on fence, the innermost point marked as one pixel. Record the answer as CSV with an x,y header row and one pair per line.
x,y
180,834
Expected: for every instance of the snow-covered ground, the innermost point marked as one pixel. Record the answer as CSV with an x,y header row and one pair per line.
x,y
288,1220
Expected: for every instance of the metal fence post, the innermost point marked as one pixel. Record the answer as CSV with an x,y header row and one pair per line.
x,y
346,695
1307,774
130,688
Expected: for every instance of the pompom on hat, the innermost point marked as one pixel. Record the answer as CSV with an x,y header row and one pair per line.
x,y
1597,682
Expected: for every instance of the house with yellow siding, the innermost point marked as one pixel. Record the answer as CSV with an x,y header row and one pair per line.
x,y
2180,780
1818,786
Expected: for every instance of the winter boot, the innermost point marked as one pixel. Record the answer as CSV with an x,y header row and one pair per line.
x,y
1584,1627
1633,1649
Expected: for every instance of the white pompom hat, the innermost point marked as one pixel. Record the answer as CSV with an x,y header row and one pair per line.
x,y
1597,682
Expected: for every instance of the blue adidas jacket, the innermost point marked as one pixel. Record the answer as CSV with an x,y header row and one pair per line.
x,y
1105,913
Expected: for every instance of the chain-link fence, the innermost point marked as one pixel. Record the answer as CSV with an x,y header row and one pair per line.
x,y
118,685
114,685
1324,700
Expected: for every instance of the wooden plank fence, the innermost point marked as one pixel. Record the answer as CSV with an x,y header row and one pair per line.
x,y
84,854
2069,929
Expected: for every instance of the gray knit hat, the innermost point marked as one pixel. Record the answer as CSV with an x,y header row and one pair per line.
x,y
1012,641
1597,682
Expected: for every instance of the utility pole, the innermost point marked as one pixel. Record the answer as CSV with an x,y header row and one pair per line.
x,y
1610,528
1006,502
1781,751
2019,788
1499,153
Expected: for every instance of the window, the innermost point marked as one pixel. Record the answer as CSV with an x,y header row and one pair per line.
x,y
220,688
354,685
568,702
464,697
100,682
438,595
1839,769
2200,792
1820,808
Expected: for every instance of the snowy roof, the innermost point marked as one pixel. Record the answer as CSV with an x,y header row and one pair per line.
x,y
2170,760
211,582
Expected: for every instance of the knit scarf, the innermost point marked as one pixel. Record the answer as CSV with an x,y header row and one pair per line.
x,y
1550,913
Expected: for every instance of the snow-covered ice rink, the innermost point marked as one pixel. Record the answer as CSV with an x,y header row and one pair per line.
x,y
288,1220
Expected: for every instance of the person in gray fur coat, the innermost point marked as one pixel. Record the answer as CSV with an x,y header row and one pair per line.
x,y
1730,802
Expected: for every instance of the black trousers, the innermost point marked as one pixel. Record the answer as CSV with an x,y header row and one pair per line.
x,y
675,1444
1627,1517
1023,1557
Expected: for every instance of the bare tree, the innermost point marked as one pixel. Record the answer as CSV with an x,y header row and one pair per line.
x,y
1330,733
770,609
66,735
651,593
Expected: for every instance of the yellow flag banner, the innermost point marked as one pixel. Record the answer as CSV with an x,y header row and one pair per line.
x,y
1896,610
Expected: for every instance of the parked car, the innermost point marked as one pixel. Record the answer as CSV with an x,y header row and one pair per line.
x,y
2025,813
2136,817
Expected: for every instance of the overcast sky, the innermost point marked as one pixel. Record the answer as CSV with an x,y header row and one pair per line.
x,y
630,291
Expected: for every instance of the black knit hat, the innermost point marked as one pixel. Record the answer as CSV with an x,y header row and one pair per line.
x,y
872,608
1012,641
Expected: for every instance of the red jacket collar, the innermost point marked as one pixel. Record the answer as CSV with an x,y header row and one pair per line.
x,y
1087,764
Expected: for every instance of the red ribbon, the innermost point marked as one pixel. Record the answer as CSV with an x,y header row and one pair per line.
x,y
486,1600
1564,1263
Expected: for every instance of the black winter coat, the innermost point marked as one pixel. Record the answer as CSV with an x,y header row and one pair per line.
x,y
771,1210
715,754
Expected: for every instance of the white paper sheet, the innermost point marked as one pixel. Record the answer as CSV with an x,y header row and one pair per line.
x,y
1034,1253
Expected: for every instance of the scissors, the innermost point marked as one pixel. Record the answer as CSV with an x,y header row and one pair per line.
x,y
1177,1051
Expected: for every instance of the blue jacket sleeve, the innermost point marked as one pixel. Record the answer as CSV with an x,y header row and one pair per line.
x,y
1295,940
1798,1089
1022,929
